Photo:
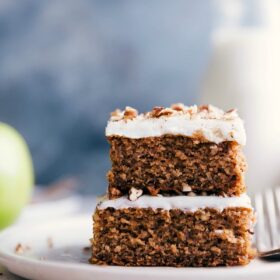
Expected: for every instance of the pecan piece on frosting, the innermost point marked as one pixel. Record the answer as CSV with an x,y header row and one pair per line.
x,y
134,194
116,115
230,114
155,113
161,111
166,112
130,113
203,107
178,107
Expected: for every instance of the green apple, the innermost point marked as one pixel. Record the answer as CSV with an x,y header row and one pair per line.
x,y
16,174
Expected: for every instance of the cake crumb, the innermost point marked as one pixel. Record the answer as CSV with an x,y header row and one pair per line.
x,y
191,194
174,249
21,249
215,250
50,242
86,249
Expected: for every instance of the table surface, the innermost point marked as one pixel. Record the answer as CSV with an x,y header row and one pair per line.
x,y
68,206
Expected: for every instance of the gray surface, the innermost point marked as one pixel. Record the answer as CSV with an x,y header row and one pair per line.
x,y
6,275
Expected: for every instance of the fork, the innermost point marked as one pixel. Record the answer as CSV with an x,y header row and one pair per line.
x,y
267,237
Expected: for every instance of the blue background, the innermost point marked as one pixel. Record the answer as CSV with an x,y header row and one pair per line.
x,y
65,65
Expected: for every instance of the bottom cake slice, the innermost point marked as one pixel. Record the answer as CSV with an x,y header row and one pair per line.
x,y
173,231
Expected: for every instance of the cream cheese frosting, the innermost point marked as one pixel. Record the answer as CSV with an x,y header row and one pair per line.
x,y
185,203
211,124
212,130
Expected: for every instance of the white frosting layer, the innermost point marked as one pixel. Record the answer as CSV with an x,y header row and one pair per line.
x,y
213,130
185,203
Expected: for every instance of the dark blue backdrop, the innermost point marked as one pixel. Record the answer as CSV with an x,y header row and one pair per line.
x,y
64,65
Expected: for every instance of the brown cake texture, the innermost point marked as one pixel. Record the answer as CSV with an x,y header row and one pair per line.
x,y
176,165
156,237
176,194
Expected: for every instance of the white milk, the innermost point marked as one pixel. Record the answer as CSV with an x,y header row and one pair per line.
x,y
244,72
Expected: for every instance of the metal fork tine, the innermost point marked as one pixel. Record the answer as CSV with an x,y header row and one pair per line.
x,y
261,239
268,224
277,197
271,216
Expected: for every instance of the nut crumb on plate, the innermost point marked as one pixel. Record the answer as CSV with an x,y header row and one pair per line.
x,y
50,242
21,249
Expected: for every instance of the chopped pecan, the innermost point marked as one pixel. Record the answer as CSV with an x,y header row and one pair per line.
x,y
130,113
134,194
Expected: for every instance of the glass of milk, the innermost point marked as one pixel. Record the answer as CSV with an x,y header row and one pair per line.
x,y
244,72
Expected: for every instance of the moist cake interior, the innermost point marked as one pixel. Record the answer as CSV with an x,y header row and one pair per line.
x,y
176,193
175,165
156,237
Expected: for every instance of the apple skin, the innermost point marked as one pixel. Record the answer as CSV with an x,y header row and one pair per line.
x,y
16,174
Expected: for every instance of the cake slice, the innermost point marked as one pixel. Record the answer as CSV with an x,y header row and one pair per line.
x,y
176,194
173,231
176,150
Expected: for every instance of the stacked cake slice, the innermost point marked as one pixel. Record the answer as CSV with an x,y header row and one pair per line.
x,y
176,193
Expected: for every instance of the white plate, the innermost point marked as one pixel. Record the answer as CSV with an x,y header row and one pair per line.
x,y
67,260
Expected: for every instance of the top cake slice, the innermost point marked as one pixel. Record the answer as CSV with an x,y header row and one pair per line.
x,y
177,150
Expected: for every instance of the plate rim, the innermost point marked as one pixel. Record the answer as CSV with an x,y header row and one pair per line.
x,y
8,257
